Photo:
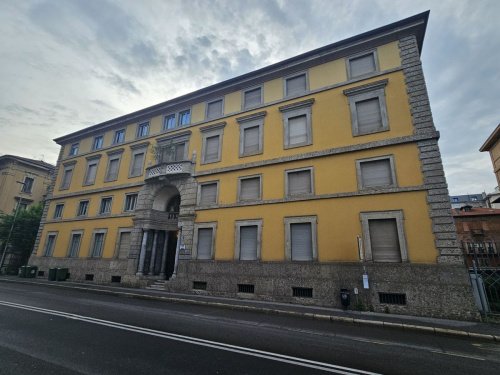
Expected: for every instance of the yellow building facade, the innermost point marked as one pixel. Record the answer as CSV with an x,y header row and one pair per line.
x,y
290,183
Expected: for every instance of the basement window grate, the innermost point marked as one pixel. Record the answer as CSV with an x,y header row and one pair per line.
x,y
302,292
89,276
200,285
246,288
116,279
41,273
392,298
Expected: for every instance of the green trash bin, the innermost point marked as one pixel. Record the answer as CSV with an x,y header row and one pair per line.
x,y
31,271
61,274
52,274
22,271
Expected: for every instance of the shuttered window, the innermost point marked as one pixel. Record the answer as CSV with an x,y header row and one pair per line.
x,y
98,245
212,149
91,173
359,66
113,169
301,241
376,173
76,238
208,193
384,240
137,163
297,130
49,245
296,85
214,109
250,188
124,245
68,174
248,242
252,98
299,182
179,151
251,144
205,243
369,116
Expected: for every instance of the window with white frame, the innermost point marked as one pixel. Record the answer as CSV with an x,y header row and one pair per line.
x,y
67,176
137,160
249,188
300,238
184,117
211,148
362,64
215,109
114,160
83,208
251,134
204,241
376,172
27,186
50,243
299,182
252,97
105,207
73,150
207,193
143,129
297,123
296,85
74,244
383,236
119,136
368,108
91,171
130,202
169,122
97,247
58,211
98,142
248,239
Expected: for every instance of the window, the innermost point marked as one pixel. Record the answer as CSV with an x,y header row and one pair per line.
x,y
97,144
91,173
368,108
296,85
252,98
27,186
137,160
58,211
207,193
124,244
300,238
211,146
73,150
130,202
98,243
455,199
473,199
363,64
383,236
172,152
299,182
50,244
376,172
248,240
169,122
83,208
214,109
249,188
184,117
119,137
143,129
74,244
297,123
204,240
251,134
105,207
22,206
113,169
67,176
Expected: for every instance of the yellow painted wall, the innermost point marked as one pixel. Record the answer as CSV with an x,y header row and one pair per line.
x,y
273,90
198,112
232,102
388,56
330,73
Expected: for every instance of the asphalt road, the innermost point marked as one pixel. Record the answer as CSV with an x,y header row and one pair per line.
x,y
46,330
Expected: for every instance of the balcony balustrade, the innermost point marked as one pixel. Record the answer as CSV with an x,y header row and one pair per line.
x,y
176,168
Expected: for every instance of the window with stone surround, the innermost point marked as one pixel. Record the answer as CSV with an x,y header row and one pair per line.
x,y
97,247
300,238
296,84
50,243
208,193
211,149
249,188
297,123
74,243
252,97
248,239
214,109
204,240
299,182
377,172
91,171
362,64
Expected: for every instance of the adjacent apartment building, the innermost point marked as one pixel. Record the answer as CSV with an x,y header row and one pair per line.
x,y
315,174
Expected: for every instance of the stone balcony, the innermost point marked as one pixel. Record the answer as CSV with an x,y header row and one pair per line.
x,y
170,169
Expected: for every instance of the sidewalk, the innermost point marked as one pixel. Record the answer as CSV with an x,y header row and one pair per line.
x,y
472,330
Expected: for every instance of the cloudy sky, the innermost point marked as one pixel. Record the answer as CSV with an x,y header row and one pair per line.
x,y
68,64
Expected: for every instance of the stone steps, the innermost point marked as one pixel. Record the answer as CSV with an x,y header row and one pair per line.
x,y
157,285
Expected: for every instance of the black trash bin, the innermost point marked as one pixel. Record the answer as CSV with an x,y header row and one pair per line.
x,y
61,274
31,272
22,271
52,274
345,297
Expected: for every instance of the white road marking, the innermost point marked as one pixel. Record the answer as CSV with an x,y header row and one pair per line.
x,y
196,341
458,355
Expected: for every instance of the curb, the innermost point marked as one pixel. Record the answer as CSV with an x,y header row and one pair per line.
x,y
331,318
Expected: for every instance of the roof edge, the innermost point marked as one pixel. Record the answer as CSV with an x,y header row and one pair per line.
x,y
491,139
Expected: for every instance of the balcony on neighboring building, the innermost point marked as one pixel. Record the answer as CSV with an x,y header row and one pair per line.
x,y
170,169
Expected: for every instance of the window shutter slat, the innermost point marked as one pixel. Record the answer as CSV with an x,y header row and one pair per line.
x,y
208,194
179,151
362,65
296,85
212,148
252,98
113,169
91,173
369,116
214,109
250,189
205,243
301,237
384,240
376,173
299,182
248,242
124,245
251,140
297,130
138,162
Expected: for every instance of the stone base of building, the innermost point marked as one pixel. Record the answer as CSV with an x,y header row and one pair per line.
x,y
440,290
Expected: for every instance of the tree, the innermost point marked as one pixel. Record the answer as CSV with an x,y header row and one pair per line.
x,y
23,236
